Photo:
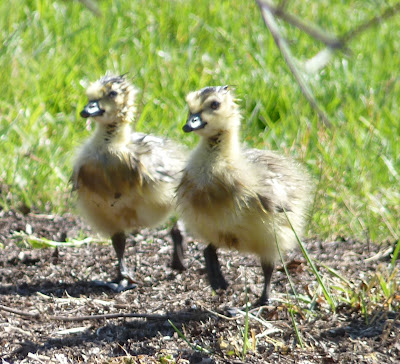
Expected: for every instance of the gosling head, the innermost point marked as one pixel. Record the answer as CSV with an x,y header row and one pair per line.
x,y
111,99
212,110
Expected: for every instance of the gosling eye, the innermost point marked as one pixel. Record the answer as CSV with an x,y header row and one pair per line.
x,y
113,93
215,105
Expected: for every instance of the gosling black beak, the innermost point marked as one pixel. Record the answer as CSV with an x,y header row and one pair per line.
x,y
194,122
92,109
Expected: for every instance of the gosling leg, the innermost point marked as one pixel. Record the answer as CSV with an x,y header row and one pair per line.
x,y
215,277
178,254
267,268
118,241
124,280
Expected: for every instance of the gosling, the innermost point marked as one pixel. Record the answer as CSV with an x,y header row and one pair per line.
x,y
125,180
237,198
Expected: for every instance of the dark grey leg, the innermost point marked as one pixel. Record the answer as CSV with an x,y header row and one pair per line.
x,y
267,268
178,254
118,241
124,280
215,277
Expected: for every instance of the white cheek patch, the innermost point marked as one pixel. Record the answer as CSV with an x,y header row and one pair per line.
x,y
93,108
195,122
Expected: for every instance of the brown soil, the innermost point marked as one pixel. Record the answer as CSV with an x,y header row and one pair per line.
x,y
49,283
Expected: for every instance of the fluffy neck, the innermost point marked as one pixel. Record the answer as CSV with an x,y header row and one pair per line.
x,y
113,133
223,146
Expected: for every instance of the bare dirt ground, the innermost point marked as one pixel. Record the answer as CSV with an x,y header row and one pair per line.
x,y
50,286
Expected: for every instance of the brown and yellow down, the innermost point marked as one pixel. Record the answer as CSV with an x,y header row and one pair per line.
x,y
125,180
236,198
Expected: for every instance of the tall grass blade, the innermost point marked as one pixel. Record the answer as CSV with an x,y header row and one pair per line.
x,y
314,269
335,273
296,329
395,254
182,336
246,322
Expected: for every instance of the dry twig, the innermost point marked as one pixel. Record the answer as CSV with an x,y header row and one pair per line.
x,y
171,316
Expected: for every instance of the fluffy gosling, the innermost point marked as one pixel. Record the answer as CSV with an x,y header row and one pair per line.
x,y
125,180
236,198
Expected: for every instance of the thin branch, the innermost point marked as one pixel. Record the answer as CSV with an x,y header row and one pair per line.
x,y
311,29
388,13
280,41
92,6
331,41
269,11
38,316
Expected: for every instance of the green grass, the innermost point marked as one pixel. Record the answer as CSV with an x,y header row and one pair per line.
x,y
172,47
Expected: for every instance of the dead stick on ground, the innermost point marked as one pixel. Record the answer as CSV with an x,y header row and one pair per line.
x,y
38,315
216,313
18,312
